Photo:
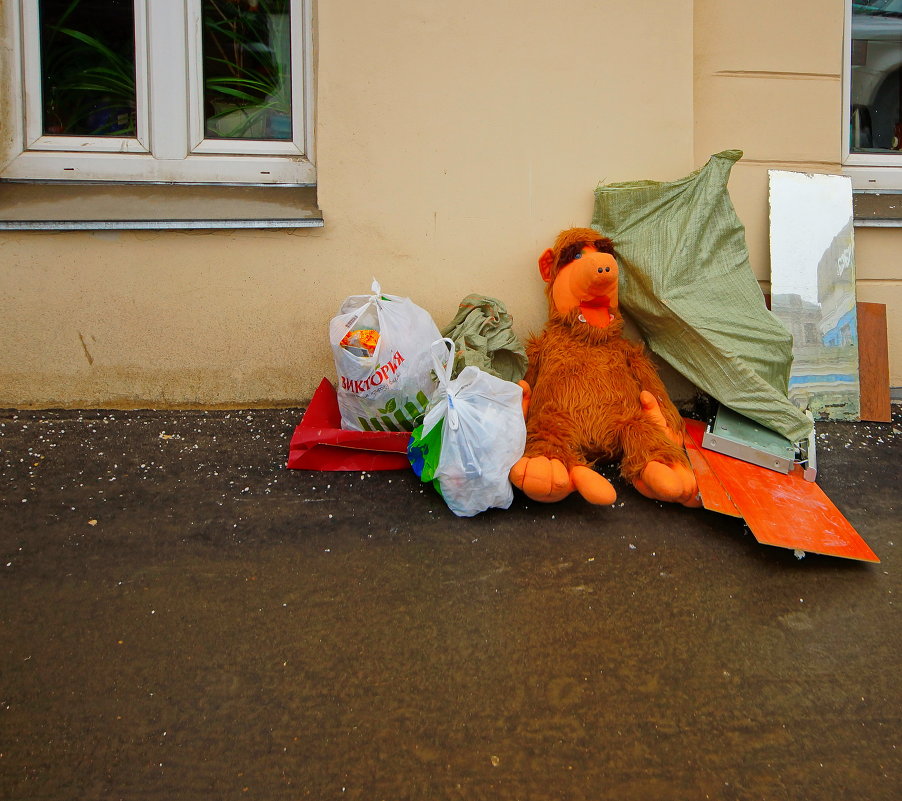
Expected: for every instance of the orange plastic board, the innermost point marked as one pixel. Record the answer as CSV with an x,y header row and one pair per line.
x,y
714,496
785,510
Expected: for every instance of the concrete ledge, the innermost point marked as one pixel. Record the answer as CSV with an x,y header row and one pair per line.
x,y
93,206
877,209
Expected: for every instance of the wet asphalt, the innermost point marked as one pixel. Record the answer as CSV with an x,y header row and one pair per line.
x,y
184,618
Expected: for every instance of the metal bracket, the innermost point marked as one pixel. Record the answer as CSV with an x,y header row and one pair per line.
x,y
735,435
808,452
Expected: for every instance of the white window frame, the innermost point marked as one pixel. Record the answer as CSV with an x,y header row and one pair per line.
x,y
878,172
169,146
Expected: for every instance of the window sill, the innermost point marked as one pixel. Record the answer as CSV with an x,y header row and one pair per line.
x,y
104,207
877,209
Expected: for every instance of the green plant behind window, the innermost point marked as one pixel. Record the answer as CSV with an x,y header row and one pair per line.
x,y
88,67
247,73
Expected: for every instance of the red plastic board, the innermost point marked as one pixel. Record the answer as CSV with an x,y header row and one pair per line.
x,y
320,443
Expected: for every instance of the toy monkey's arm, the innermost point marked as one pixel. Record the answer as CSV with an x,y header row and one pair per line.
x,y
649,380
533,354
668,479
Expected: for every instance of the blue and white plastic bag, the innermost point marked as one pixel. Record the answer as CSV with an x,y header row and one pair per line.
x,y
472,435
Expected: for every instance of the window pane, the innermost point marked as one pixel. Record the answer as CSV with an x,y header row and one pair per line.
x,y
247,69
88,67
876,105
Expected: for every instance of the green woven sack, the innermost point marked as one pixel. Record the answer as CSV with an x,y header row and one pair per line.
x,y
686,281
482,331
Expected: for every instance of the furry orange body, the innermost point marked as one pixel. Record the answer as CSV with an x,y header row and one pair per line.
x,y
591,395
584,404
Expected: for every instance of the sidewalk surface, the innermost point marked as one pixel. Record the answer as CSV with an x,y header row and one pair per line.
x,y
183,618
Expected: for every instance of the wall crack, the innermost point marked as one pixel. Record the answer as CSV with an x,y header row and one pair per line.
x,y
84,345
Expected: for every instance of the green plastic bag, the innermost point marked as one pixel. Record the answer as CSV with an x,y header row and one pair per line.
x,y
424,451
686,281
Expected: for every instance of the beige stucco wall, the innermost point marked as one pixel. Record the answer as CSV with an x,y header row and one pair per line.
x,y
453,143
770,84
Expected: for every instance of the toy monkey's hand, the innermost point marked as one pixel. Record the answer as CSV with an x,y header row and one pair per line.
x,y
527,394
666,482
652,410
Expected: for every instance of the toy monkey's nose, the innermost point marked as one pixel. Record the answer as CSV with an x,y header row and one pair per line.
x,y
593,275
603,267
603,277
599,262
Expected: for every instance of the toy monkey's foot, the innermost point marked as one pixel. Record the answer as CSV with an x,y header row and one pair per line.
x,y
674,483
548,481
594,487
541,478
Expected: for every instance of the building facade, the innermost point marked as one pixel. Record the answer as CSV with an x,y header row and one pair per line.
x,y
450,148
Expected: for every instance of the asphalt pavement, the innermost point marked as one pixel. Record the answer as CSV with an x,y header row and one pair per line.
x,y
182,617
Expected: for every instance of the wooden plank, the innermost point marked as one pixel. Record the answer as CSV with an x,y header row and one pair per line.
x,y
873,362
785,510
714,496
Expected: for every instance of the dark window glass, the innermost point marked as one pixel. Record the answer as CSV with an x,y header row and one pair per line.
x,y
876,105
247,69
88,67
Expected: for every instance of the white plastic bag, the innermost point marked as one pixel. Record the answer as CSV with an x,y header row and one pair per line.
x,y
482,435
389,389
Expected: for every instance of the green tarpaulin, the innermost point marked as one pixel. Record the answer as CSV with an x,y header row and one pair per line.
x,y
686,281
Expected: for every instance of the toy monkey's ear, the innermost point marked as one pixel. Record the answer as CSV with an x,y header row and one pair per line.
x,y
546,264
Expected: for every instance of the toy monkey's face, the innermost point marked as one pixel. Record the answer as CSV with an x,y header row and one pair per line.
x,y
588,282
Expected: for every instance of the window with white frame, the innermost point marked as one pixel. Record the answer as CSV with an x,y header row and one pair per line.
x,y
171,91
872,89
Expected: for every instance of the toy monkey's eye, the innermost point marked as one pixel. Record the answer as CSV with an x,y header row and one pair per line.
x,y
578,256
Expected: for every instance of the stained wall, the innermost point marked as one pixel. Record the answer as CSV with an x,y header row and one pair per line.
x,y
452,145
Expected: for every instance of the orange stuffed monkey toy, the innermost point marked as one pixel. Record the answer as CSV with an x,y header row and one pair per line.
x,y
590,395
